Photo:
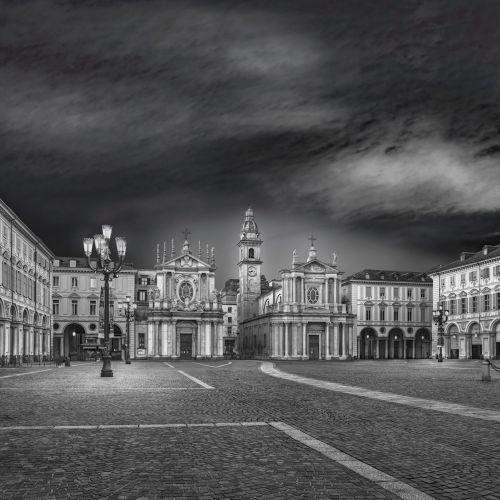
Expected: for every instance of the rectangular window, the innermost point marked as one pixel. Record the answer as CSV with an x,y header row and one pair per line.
x,y
396,293
382,292
473,276
486,303
382,314
485,273
72,263
368,315
55,280
142,295
229,309
452,281
396,314
409,314
496,271
229,330
443,283
463,305
93,282
453,306
409,293
474,304
142,341
423,294
93,307
144,281
368,292
55,306
462,279
423,314
74,307
74,282
497,305
229,319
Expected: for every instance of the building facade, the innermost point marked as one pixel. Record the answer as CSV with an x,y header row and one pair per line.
x,y
469,288
298,316
230,311
184,313
77,303
393,311
25,281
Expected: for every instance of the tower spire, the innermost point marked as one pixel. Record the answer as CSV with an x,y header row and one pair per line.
x,y
199,249
157,253
172,252
164,251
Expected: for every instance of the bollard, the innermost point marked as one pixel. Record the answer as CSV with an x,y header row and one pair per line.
x,y
485,367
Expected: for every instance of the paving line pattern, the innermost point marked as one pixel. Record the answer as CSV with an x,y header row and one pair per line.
x,y
26,373
190,377
425,404
386,481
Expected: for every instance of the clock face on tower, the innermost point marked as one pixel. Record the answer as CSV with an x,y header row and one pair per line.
x,y
252,271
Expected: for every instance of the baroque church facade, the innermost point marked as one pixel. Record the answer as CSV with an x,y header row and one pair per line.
x,y
184,311
299,316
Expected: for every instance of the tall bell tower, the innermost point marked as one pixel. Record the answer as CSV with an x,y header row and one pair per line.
x,y
249,265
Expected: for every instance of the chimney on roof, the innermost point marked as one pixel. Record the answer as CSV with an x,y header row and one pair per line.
x,y
462,256
485,249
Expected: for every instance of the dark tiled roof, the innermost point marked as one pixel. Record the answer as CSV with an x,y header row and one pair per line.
x,y
81,263
384,275
470,258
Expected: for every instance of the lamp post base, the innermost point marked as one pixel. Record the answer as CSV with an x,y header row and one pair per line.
x,y
106,370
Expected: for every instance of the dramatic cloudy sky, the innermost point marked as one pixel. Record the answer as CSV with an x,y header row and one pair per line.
x,y
373,124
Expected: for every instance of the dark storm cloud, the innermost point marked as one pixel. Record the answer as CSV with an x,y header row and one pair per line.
x,y
378,117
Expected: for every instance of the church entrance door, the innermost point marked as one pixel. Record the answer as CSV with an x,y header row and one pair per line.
x,y
186,345
313,346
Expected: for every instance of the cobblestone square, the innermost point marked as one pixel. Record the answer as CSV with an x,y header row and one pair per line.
x,y
230,430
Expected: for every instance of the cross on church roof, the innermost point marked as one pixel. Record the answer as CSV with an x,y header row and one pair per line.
x,y
312,239
186,233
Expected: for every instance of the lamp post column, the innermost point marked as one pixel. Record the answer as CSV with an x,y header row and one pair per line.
x,y
106,370
127,347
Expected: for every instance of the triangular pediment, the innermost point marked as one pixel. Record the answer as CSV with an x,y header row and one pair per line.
x,y
187,261
315,266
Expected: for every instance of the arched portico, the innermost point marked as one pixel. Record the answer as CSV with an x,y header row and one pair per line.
x,y
116,342
423,344
368,344
396,343
72,342
453,337
476,343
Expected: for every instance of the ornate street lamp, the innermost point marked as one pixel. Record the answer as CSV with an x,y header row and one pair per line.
x,y
440,317
109,269
128,309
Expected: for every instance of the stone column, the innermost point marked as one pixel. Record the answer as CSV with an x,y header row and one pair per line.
x,y
220,340
294,337
157,339
335,340
387,348
164,338
327,341
287,347
175,344
298,340
305,354
200,341
413,349
151,338
345,341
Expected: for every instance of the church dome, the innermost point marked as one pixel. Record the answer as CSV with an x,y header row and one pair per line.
x,y
249,225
